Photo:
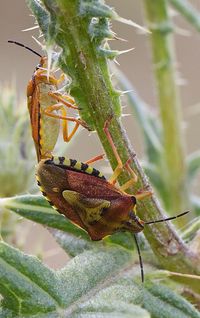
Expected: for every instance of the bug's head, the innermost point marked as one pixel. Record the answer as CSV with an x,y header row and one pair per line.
x,y
42,64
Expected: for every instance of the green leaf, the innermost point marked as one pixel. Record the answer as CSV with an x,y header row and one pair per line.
x,y
72,244
118,300
96,283
163,303
27,286
5,313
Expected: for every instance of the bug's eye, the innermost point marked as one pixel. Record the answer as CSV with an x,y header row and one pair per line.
x,y
38,66
133,198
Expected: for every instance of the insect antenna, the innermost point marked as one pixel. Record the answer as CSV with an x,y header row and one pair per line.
x,y
26,47
140,257
167,219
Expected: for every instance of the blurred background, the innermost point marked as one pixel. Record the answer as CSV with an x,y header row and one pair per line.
x,y
17,66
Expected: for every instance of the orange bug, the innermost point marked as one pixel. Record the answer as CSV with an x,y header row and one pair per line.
x,y
47,107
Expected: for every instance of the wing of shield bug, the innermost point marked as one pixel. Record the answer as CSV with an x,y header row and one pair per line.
x,y
85,197
47,107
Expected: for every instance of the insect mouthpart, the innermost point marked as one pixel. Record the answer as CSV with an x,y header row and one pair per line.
x,y
136,219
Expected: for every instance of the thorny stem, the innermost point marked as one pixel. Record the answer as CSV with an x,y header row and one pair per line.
x,y
174,168
88,71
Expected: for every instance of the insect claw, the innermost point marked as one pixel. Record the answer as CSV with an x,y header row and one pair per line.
x,y
83,124
140,195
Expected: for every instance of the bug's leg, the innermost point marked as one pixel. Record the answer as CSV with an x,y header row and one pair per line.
x,y
119,167
66,136
140,195
61,79
64,99
49,112
92,160
133,179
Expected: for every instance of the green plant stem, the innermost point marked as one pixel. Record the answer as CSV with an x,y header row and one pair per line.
x,y
188,12
88,71
174,168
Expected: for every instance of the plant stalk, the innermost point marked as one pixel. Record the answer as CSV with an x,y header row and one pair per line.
x,y
173,167
91,85
188,12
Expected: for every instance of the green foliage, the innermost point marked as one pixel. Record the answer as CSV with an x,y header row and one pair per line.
x,y
89,285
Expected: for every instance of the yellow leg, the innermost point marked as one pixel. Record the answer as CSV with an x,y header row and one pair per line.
x,y
61,79
48,111
127,185
120,166
141,194
66,136
69,99
73,119
131,171
64,99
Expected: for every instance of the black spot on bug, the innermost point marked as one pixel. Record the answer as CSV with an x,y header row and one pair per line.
x,y
95,172
49,161
44,193
73,162
61,160
84,166
39,184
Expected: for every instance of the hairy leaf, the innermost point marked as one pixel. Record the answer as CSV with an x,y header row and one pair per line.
x,y
96,283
